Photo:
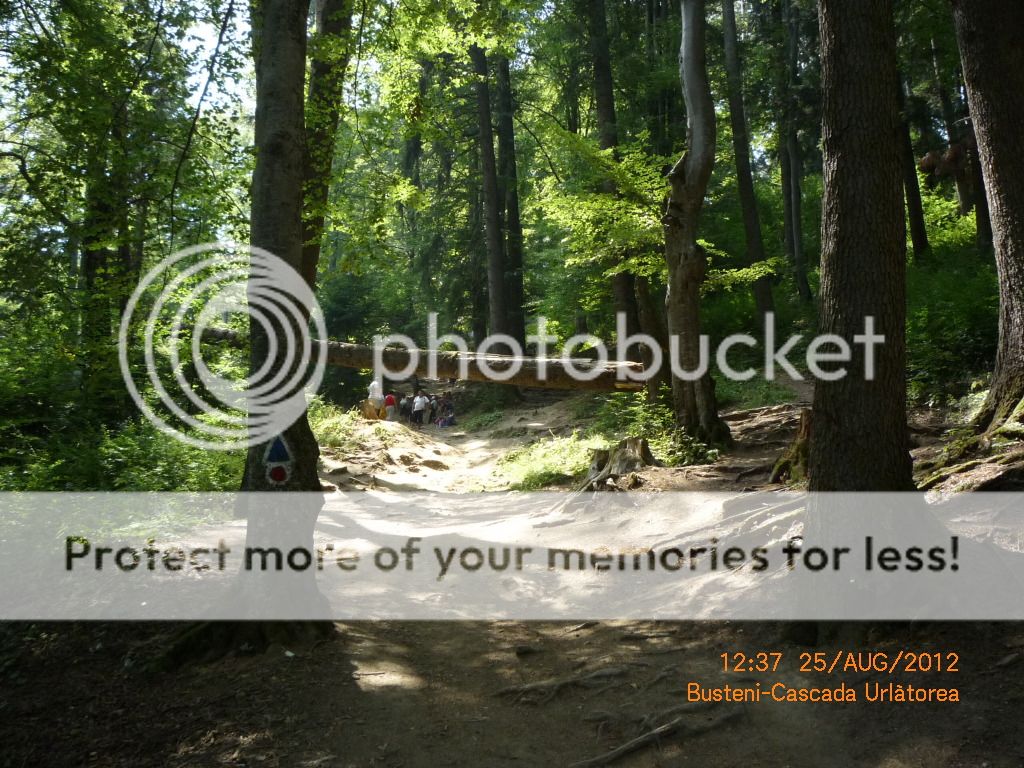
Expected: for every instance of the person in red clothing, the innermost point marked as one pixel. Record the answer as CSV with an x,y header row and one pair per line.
x,y
391,406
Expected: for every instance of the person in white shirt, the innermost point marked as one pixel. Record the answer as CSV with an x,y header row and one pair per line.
x,y
419,406
376,394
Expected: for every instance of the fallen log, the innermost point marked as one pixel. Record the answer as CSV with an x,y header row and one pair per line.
x,y
608,376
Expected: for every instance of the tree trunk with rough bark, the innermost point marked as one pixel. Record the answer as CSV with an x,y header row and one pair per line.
x,y
789,163
477,254
860,442
993,64
652,323
277,226
982,216
276,220
496,292
508,173
328,63
762,287
695,404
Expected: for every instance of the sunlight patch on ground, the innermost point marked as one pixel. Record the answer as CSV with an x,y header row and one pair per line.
x,y
372,674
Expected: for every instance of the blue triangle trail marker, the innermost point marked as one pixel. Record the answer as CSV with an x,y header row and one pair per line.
x,y
278,452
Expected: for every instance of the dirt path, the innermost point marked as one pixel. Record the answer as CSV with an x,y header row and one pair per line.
x,y
425,694
392,456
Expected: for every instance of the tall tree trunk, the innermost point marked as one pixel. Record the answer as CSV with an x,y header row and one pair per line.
x,y
993,64
97,358
912,187
329,61
412,156
477,255
276,222
496,293
652,323
604,93
796,208
963,189
762,287
695,405
982,216
789,148
623,287
859,440
108,281
509,174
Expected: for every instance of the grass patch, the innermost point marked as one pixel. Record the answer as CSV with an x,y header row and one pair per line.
x,y
334,427
550,461
561,460
482,420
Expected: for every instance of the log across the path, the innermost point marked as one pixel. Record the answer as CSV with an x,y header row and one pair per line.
x,y
556,372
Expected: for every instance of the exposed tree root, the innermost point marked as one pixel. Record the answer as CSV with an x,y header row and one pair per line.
x,y
792,465
941,471
208,641
953,452
654,736
545,690
645,722
939,477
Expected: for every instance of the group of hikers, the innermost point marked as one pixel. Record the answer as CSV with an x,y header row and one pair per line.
x,y
418,409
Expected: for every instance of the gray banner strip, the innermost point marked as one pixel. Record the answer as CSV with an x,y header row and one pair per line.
x,y
512,556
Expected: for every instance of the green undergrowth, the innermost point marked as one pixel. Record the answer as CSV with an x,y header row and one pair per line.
x,y
135,456
550,461
605,420
333,425
758,392
481,420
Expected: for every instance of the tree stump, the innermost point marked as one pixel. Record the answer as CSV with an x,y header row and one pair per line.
x,y
625,458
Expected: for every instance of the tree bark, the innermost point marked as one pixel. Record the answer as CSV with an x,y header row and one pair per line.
x,y
762,287
796,208
509,174
993,64
860,439
496,293
478,309
276,221
789,152
982,216
329,61
652,323
695,405
604,93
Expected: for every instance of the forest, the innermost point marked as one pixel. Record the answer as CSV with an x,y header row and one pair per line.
x,y
783,240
